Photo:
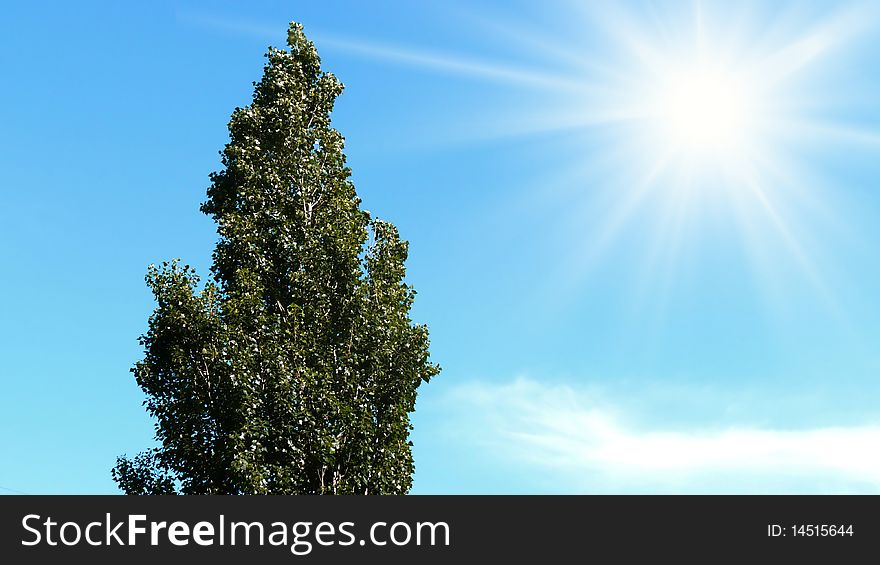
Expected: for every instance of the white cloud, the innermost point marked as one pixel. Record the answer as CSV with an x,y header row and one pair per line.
x,y
584,443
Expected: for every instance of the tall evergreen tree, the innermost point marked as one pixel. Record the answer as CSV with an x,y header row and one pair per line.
x,y
295,369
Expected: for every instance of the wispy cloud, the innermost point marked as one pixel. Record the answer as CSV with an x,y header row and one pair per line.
x,y
390,53
590,445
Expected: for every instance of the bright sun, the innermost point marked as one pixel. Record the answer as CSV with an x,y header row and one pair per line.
x,y
703,110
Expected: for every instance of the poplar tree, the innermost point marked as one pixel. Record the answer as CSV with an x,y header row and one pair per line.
x,y
294,368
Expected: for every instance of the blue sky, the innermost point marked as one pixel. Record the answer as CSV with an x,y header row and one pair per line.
x,y
629,289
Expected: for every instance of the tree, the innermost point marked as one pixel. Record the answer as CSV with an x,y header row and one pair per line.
x,y
294,370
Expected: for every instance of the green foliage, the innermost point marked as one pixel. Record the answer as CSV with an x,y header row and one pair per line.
x,y
295,370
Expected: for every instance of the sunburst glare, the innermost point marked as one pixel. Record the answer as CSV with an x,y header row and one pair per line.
x,y
693,117
702,110
702,124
